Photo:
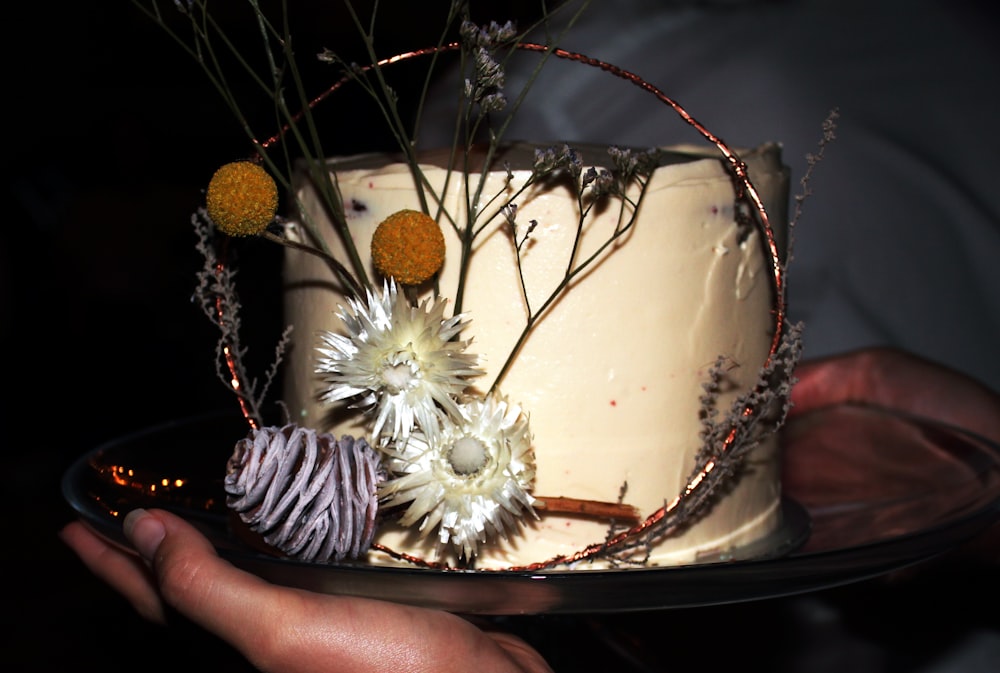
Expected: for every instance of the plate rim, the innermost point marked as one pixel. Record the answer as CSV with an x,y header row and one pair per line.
x,y
802,571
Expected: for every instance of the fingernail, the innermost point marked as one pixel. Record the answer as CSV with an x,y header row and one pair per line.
x,y
144,531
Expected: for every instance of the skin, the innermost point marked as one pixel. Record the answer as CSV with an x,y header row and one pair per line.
x,y
891,378
292,631
178,568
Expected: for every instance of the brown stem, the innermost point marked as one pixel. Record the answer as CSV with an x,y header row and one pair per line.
x,y
589,508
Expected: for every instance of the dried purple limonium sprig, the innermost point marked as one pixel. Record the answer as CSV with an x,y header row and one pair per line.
x,y
216,295
812,161
485,87
752,416
550,159
309,495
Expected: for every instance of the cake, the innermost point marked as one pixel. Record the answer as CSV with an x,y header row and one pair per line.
x,y
611,378
510,356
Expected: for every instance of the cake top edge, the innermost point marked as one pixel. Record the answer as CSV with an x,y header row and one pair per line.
x,y
520,155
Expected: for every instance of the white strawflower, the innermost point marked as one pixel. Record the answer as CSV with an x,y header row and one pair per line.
x,y
472,482
398,362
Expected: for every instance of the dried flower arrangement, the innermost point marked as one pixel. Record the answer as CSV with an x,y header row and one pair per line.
x,y
455,465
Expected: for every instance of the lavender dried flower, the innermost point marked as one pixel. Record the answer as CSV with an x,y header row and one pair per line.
x,y
553,158
489,36
486,87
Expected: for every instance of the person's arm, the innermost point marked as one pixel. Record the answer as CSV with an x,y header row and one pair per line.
x,y
280,629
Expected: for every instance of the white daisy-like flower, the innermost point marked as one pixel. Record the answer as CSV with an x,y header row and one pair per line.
x,y
472,483
401,363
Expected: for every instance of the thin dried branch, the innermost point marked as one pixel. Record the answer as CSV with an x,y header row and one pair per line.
x,y
216,295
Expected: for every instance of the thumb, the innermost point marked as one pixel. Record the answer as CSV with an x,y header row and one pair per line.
x,y
194,580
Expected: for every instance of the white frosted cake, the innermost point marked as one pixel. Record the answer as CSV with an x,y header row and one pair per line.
x,y
604,399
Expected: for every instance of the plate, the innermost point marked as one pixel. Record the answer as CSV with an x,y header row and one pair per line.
x,y
867,492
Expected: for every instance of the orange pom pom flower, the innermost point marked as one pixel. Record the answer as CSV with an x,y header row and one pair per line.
x,y
242,199
408,246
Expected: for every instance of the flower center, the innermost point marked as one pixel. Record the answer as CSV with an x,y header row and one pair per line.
x,y
400,372
468,455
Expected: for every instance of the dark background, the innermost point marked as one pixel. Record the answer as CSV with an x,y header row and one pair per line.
x,y
111,134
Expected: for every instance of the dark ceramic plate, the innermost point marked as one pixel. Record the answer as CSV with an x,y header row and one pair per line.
x,y
867,492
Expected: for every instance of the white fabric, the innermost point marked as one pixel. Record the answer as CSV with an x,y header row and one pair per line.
x,y
900,241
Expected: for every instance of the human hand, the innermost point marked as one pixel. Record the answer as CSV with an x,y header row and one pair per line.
x,y
279,629
896,380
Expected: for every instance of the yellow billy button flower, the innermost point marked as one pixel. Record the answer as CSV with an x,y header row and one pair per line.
x,y
242,199
408,246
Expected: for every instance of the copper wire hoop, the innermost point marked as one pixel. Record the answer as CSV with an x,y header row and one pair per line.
x,y
745,191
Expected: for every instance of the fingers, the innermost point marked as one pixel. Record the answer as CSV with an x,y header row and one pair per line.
x,y
891,378
850,377
523,654
294,631
123,571
283,629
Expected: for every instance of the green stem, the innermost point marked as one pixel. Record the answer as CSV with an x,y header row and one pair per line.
x,y
338,268
571,273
